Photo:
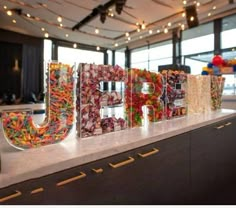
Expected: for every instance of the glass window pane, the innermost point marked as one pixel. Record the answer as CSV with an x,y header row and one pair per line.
x,y
198,45
75,56
139,55
120,58
140,65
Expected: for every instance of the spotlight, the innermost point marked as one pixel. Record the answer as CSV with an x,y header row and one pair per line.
x,y
103,15
119,5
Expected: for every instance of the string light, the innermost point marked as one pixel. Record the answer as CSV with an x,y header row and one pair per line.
x,y
9,13
59,19
96,30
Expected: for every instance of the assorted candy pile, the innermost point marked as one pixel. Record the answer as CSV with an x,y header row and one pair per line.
x,y
217,86
175,84
198,94
18,126
111,124
111,98
135,98
164,95
89,121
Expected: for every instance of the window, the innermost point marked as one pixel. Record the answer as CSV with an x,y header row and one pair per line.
x,y
47,57
76,56
228,45
153,56
198,46
120,58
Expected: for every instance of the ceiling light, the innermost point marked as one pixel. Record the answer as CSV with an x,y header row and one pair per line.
x,y
183,14
166,30
28,15
43,29
9,13
184,2
129,38
59,19
138,29
143,26
74,45
96,30
61,25
198,3
140,37
158,31
126,34
98,48
182,26
137,23
209,14
150,31
214,7
192,18
14,21
5,7
169,24
116,44
46,35
67,35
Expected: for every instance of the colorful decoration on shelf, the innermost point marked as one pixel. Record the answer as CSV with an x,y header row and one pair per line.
x,y
136,98
219,66
18,126
198,94
175,87
90,99
217,86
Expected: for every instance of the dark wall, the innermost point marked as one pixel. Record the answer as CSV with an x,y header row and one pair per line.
x,y
30,54
10,79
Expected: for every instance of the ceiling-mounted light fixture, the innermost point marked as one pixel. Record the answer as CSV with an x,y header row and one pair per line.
x,y
119,5
74,45
103,14
98,48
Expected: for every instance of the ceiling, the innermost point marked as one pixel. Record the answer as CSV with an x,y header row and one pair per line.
x,y
30,16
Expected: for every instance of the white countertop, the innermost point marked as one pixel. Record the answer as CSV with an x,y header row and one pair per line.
x,y
36,106
19,165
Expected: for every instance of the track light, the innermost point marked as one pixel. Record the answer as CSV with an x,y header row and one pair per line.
x,y
103,14
119,5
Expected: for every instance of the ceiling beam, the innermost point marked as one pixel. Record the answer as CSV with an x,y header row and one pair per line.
x,y
96,11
